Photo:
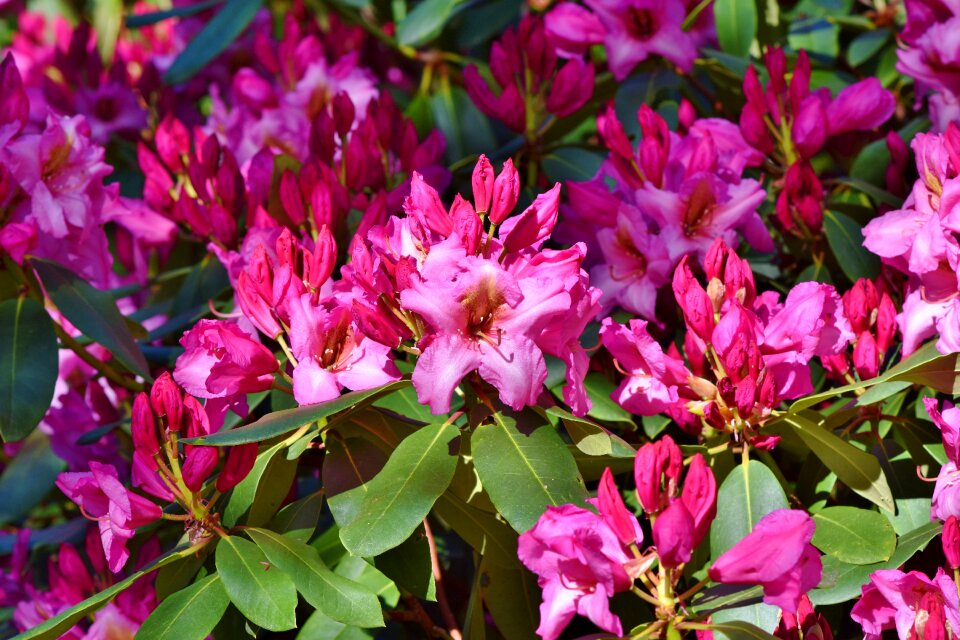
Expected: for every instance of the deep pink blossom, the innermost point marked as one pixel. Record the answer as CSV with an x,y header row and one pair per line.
x,y
908,602
776,555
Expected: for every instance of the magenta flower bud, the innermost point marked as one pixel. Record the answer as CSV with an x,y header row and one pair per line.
x,y
255,307
745,395
375,326
933,625
199,463
291,199
886,323
808,131
344,113
858,303
776,62
506,191
713,416
240,460
532,227
753,90
654,148
482,185
613,135
753,127
715,262
686,114
15,106
866,358
673,534
318,264
899,157
614,512
466,224
167,401
572,87
253,90
656,470
173,143
699,496
861,106
778,556
143,427
196,421
73,570
693,300
424,205
951,541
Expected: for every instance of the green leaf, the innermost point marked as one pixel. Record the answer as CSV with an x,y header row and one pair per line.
x,y
213,39
178,575
281,422
190,614
28,366
490,537
348,464
107,18
465,128
592,438
882,391
736,22
857,469
146,19
28,478
299,519
263,490
818,36
525,473
739,630
364,573
750,492
875,192
263,593
410,566
857,536
93,312
322,626
513,598
425,22
58,625
604,408
402,494
342,599
866,45
572,163
404,402
846,241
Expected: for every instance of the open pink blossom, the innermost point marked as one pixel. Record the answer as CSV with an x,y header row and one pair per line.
x,y
776,555
908,602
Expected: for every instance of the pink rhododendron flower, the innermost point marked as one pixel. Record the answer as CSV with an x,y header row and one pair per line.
x,y
776,555
911,603
579,562
102,497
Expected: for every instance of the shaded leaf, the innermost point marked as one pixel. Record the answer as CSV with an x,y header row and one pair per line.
x,y
213,39
188,614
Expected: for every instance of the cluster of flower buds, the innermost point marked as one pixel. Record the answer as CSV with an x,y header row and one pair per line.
x,y
195,180
532,85
873,320
746,352
791,123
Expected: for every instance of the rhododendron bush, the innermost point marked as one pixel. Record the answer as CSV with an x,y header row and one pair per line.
x,y
501,319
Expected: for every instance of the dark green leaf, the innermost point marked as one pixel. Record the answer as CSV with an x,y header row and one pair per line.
x,y
592,438
280,422
342,599
320,626
263,593
524,473
866,45
147,19
190,614
402,494
213,39
263,490
58,625
739,630
750,492
349,463
846,242
857,469
410,567
28,366
425,22
299,519
604,408
736,22
818,36
857,536
488,536
28,478
93,312
513,598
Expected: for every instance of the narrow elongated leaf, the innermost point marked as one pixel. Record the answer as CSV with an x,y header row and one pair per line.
x,y
146,19
93,312
402,494
28,366
28,478
263,593
56,626
215,36
739,630
846,240
425,22
857,469
107,18
857,536
525,473
736,22
190,614
750,492
339,598
280,422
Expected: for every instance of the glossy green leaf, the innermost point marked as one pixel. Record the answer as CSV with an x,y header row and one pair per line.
x,y
263,593
190,614
364,573
604,408
402,494
856,536
857,469
489,536
592,438
93,312
866,45
750,492
846,241
525,473
739,630
342,599
58,625
410,567
736,22
146,19
28,366
425,22
28,478
281,422
323,627
213,39
513,598
818,36
299,519
263,490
